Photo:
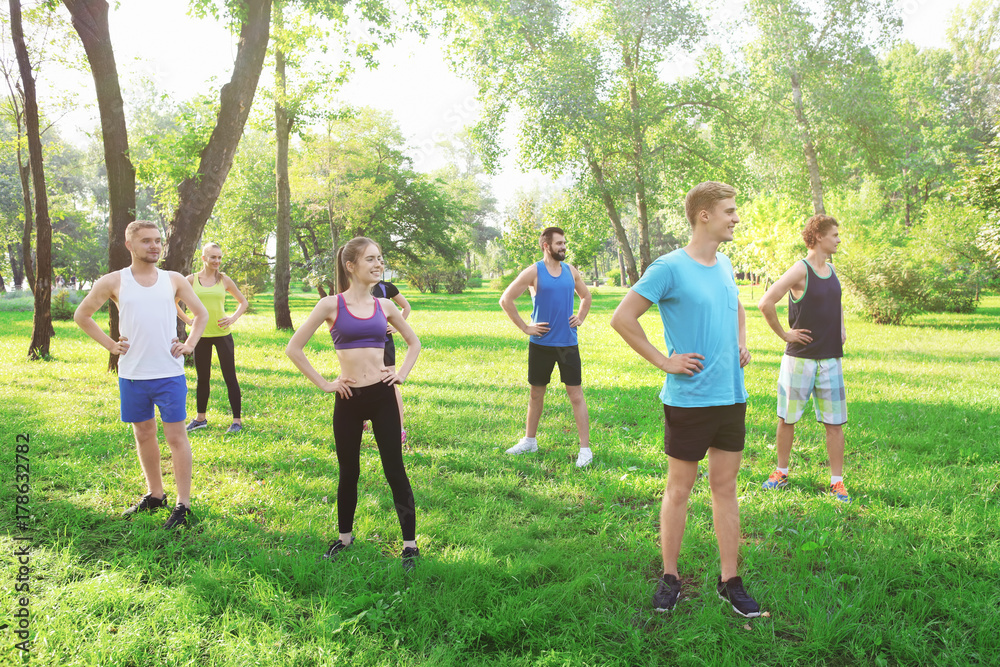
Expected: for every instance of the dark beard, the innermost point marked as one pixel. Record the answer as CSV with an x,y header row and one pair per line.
x,y
558,256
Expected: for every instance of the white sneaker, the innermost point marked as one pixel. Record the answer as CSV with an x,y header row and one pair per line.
x,y
524,446
584,458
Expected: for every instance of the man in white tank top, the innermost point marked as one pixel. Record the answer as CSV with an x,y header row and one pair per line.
x,y
151,364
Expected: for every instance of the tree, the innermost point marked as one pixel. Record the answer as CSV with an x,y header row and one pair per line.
x,y
41,329
974,38
584,76
815,72
198,192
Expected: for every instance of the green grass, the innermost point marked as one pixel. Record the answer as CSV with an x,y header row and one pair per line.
x,y
527,561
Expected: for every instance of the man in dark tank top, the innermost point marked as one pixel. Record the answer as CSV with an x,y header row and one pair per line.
x,y
811,365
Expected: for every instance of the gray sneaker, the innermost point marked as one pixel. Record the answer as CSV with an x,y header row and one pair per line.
x,y
234,428
197,424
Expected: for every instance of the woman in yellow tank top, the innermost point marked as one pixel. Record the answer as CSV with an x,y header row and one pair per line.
x,y
211,286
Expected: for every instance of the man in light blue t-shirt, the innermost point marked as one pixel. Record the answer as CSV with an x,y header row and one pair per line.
x,y
704,399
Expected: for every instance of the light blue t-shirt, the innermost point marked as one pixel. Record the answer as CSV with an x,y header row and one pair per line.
x,y
699,306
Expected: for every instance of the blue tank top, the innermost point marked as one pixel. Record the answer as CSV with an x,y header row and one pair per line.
x,y
349,332
553,303
819,311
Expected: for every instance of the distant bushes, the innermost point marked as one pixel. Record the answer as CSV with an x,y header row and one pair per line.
x,y
891,285
503,282
436,275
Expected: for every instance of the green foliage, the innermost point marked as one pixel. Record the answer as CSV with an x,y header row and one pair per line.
x,y
18,301
64,304
614,276
250,291
502,282
475,280
768,239
890,285
584,222
521,233
886,285
435,275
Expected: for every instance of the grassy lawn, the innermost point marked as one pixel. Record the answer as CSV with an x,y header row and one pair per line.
x,y
526,560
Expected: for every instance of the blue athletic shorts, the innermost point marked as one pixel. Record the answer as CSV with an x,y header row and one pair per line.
x,y
139,397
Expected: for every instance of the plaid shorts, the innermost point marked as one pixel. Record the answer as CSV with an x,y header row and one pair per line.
x,y
823,379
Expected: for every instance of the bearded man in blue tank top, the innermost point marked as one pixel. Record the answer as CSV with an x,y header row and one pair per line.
x,y
552,336
151,364
704,397
811,365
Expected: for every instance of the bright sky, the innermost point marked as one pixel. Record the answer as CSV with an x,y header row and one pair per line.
x,y
157,38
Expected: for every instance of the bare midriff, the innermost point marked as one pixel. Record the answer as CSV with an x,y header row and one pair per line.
x,y
362,364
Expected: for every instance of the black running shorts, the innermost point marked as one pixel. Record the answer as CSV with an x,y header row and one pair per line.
x,y
689,432
541,359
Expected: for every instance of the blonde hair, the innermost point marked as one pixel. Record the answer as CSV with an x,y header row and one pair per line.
x,y
703,197
134,227
817,226
210,244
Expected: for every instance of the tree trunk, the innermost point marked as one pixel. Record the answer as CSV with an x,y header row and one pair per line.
x,y
638,158
90,19
41,329
812,163
16,264
282,128
29,221
335,239
616,221
198,193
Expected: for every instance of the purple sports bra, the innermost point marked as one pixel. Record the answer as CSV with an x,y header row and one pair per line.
x,y
349,332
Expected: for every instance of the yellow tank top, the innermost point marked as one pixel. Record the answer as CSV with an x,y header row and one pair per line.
x,y
214,300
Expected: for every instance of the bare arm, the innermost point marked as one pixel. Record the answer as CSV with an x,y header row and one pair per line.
x,y
585,299
397,320
183,291
523,281
843,326
742,336
400,301
325,309
626,322
231,287
794,278
102,290
180,311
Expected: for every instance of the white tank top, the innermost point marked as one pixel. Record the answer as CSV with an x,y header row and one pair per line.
x,y
148,319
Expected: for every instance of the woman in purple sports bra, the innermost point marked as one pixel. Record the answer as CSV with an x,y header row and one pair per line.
x,y
364,389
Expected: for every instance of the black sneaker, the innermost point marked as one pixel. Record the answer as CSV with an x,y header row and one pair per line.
x,y
196,424
147,504
179,517
732,591
335,549
410,555
234,428
667,593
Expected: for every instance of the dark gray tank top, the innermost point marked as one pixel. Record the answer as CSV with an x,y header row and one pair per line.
x,y
819,311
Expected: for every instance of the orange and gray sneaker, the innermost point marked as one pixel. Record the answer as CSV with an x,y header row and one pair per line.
x,y
839,492
777,480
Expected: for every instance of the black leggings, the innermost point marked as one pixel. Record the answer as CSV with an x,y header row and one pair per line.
x,y
227,362
377,403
